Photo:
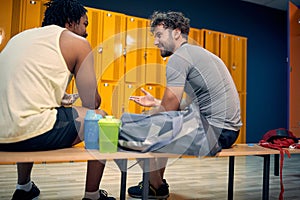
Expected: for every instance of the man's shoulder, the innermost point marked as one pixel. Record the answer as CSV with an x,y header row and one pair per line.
x,y
49,28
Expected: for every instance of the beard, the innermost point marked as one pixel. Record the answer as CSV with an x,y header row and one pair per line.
x,y
167,48
165,53
85,35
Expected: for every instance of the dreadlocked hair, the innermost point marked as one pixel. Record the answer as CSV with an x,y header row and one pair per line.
x,y
172,20
60,12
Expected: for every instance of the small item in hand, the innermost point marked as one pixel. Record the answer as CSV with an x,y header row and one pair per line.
x,y
69,99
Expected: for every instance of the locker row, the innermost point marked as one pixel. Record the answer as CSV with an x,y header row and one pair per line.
x,y
126,58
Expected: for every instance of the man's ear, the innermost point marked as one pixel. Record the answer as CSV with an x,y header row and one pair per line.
x,y
70,25
177,33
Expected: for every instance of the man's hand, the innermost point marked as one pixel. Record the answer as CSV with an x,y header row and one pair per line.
x,y
148,100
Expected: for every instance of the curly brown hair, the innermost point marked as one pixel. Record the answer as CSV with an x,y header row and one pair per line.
x,y
172,20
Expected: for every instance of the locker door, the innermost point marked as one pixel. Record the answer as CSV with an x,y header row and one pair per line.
x,y
130,106
155,64
32,13
5,22
226,49
294,69
233,53
135,49
113,45
212,41
111,97
196,37
95,37
155,68
95,27
239,66
155,90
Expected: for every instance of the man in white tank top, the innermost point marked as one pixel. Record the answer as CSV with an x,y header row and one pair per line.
x,y
35,68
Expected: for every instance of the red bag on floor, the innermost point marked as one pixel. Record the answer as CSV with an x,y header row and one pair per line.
x,y
279,139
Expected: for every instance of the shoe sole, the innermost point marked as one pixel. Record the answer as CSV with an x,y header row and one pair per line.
x,y
152,197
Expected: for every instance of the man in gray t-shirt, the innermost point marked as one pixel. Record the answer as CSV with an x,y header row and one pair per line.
x,y
207,82
202,76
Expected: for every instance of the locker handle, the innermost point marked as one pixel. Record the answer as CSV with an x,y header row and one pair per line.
x,y
105,84
100,49
234,67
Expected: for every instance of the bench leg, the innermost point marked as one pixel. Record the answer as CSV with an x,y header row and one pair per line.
x,y
122,164
230,178
146,174
276,165
266,177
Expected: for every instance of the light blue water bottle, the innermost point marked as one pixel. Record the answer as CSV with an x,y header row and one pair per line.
x,y
91,130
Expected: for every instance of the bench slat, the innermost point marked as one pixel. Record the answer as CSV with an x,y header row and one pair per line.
x,y
72,154
246,150
81,154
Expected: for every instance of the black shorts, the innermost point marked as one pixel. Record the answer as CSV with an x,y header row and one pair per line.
x,y
227,138
61,136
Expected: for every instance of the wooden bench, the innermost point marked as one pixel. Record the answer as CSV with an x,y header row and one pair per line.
x,y
249,150
80,154
121,158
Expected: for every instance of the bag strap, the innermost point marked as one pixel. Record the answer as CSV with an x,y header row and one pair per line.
x,y
279,144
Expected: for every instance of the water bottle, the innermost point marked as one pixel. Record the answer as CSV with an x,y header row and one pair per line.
x,y
91,130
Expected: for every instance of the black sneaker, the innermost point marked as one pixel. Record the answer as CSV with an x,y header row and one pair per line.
x,y
103,196
161,193
30,195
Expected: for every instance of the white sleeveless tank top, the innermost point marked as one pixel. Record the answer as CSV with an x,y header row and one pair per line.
x,y
33,79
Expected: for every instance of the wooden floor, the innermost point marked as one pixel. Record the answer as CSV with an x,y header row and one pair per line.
x,y
189,178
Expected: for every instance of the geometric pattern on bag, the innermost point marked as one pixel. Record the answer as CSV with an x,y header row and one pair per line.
x,y
179,132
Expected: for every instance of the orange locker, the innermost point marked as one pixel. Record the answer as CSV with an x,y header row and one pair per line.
x,y
113,46
155,64
155,90
95,27
196,36
130,106
135,49
212,41
27,14
226,49
233,51
5,22
238,69
112,97
294,82
95,37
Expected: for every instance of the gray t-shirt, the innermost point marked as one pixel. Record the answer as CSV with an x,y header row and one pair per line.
x,y
208,82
